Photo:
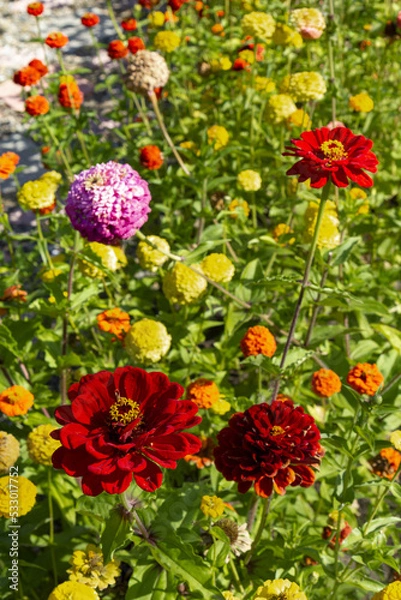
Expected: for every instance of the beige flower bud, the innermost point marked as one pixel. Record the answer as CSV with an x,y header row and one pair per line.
x,y
146,71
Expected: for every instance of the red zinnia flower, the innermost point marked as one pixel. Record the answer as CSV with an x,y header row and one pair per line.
x,y
56,40
176,4
116,49
335,155
39,66
135,44
151,157
129,24
26,76
240,64
35,9
69,94
37,105
89,19
123,425
148,3
270,446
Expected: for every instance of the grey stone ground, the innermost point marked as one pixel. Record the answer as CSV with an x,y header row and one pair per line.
x,y
17,29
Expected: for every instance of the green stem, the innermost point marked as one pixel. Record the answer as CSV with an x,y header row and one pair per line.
x,y
331,62
236,576
165,133
142,113
62,154
81,140
305,282
262,524
51,526
43,241
114,20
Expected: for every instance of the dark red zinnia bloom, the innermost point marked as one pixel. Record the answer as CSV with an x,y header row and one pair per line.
x,y
123,425
129,24
35,9
117,49
39,66
240,64
90,19
270,447
176,4
335,155
135,44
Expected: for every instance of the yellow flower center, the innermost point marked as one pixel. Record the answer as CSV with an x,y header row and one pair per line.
x,y
93,181
14,397
276,430
333,150
124,410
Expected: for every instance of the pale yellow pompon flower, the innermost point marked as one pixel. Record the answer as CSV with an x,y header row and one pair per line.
x,y
218,267
149,258
71,590
147,341
249,180
9,451
218,135
41,193
229,596
395,439
87,567
239,207
299,118
361,103
329,234
391,592
41,446
156,19
167,41
285,36
221,406
258,25
304,86
223,63
112,258
264,84
279,588
212,506
189,145
309,22
181,285
279,107
21,488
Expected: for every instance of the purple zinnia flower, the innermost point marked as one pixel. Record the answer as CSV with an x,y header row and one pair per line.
x,y
108,202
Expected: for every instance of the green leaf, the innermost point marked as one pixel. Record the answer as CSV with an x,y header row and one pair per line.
x,y
341,253
392,335
7,340
252,271
115,535
381,523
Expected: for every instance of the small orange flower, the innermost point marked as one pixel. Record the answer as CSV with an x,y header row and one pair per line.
x,y
135,44
114,321
240,64
203,392
117,49
220,14
56,39
14,293
39,66
35,9
217,29
129,24
15,400
365,378
386,463
205,457
89,19
8,163
325,383
283,398
47,209
69,94
151,157
258,340
26,76
36,105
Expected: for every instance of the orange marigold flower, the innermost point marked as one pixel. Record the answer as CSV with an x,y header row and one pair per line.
x,y
386,463
220,13
14,292
26,76
365,378
35,9
47,209
36,105
240,64
39,66
283,398
56,39
69,94
89,19
8,162
151,157
15,400
217,28
117,49
325,383
258,340
135,44
203,392
114,321
129,24
205,457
